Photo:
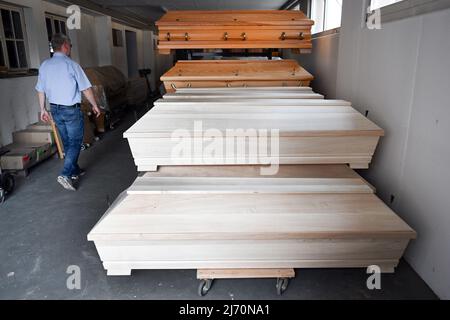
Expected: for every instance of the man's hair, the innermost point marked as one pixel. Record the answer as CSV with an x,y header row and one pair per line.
x,y
58,41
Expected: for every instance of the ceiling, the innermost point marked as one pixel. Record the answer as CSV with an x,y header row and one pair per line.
x,y
148,11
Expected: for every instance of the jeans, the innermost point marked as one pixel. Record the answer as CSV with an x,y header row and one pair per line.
x,y
70,123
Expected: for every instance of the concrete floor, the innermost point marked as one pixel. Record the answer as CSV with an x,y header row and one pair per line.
x,y
43,231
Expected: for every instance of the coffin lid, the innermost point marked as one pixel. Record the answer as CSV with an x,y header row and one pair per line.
x,y
157,124
209,212
237,70
235,18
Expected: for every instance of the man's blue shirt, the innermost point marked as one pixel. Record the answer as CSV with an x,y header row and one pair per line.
x,y
62,80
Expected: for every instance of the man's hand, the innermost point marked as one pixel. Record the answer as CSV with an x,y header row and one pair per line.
x,y
96,111
45,116
90,97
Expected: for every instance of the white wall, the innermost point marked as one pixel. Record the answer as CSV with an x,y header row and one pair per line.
x,y
401,75
18,107
18,104
87,42
103,34
149,55
92,46
119,56
322,63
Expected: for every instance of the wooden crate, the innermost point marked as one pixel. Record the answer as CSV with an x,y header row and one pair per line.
x,y
235,73
232,218
245,29
313,133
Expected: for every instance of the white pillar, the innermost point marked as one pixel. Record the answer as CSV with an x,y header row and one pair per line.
x,y
149,56
103,34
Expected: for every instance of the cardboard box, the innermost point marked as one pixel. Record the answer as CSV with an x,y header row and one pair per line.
x,y
18,159
44,152
22,157
31,137
40,126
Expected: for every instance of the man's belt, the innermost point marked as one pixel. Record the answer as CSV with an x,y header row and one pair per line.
x,y
77,105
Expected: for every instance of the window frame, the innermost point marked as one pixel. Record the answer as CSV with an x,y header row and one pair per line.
x,y
60,19
308,5
54,17
117,42
2,52
24,39
408,8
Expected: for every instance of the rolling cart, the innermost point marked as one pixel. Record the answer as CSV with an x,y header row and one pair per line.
x,y
207,277
7,184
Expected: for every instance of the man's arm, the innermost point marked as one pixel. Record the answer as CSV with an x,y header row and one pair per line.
x,y
45,117
86,87
89,94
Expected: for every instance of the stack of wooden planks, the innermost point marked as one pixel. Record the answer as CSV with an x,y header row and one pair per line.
x,y
235,74
244,29
314,212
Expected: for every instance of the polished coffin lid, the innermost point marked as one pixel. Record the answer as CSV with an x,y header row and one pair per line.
x,y
235,18
237,70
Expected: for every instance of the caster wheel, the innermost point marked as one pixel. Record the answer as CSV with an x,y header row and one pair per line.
x,y
282,285
24,173
8,183
204,287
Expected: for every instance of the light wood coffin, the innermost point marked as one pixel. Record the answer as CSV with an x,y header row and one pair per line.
x,y
307,133
252,95
235,74
246,29
232,218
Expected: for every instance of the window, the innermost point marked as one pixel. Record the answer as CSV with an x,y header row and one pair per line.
x,y
13,53
391,10
55,24
327,15
377,4
117,38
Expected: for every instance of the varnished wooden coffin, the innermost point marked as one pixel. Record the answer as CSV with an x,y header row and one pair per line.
x,y
298,131
231,217
235,74
246,29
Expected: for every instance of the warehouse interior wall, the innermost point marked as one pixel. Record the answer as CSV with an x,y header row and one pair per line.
x,y
322,63
400,75
92,46
132,58
149,55
18,102
86,39
119,54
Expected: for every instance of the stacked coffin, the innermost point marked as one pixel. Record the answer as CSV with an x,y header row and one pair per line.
x,y
209,208
308,129
235,74
246,29
249,180
231,217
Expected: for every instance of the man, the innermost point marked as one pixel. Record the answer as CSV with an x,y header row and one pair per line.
x,y
62,81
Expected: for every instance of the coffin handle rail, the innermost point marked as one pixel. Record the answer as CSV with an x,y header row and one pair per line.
x,y
299,37
170,37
